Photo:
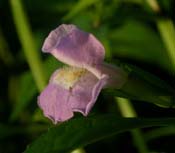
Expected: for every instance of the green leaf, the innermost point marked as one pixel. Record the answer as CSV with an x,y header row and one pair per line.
x,y
80,132
150,78
144,86
27,41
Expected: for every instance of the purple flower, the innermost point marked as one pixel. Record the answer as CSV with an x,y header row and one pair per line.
x,y
75,88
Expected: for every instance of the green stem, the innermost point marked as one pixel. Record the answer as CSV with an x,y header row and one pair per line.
x,y
127,110
28,43
167,32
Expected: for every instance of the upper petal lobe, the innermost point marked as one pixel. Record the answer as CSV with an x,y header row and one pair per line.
x,y
74,47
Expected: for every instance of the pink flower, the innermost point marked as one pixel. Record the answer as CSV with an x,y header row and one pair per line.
x,y
75,88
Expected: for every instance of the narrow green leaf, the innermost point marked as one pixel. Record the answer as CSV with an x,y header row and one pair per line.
x,y
144,86
28,43
80,132
151,79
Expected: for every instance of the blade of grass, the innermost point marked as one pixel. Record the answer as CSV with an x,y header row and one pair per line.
x,y
28,43
166,30
127,110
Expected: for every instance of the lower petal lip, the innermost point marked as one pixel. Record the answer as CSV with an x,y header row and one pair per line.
x,y
53,102
59,104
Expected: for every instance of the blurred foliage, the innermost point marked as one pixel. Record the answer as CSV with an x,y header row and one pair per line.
x,y
128,31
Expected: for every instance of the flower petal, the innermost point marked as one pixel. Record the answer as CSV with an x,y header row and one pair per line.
x,y
117,76
74,47
54,37
59,103
85,93
54,103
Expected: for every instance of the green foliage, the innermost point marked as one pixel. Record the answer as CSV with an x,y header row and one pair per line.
x,y
83,131
144,86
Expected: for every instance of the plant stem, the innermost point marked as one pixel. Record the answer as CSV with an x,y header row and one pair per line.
x,y
166,30
127,110
28,43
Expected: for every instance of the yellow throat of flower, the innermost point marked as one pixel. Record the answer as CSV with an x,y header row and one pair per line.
x,y
68,76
